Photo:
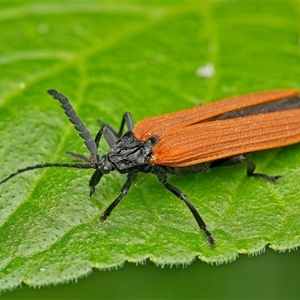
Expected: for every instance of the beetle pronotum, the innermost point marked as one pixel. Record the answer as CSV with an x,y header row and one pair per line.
x,y
189,141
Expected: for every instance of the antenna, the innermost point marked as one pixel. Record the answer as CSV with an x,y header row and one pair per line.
x,y
78,124
83,132
49,165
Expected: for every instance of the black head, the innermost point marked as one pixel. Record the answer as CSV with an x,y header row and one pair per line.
x,y
128,154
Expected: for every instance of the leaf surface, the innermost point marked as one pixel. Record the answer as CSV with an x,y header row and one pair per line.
x,y
109,58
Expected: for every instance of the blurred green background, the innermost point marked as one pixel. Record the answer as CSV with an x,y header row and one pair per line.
x,y
253,46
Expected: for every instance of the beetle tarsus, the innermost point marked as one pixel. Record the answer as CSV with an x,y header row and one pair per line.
x,y
267,177
92,190
209,236
103,218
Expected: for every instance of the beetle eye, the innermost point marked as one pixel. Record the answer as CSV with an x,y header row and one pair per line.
x,y
105,170
104,165
107,167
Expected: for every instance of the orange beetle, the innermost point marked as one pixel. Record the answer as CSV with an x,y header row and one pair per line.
x,y
189,141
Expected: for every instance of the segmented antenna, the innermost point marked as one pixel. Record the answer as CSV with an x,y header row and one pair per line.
x,y
83,132
49,165
78,124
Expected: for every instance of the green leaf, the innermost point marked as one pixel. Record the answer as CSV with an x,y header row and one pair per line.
x,y
109,58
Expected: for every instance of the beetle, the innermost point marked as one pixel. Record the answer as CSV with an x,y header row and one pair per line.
x,y
186,142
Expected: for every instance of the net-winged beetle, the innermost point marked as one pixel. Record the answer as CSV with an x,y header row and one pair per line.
x,y
189,141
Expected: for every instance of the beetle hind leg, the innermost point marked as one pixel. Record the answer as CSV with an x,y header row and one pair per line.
x,y
251,166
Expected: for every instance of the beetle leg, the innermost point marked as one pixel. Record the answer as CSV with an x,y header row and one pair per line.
x,y
110,136
98,137
109,133
250,167
79,156
162,177
95,179
124,191
126,119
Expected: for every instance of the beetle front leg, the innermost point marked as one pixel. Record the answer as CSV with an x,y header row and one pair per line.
x,y
95,179
124,191
126,119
